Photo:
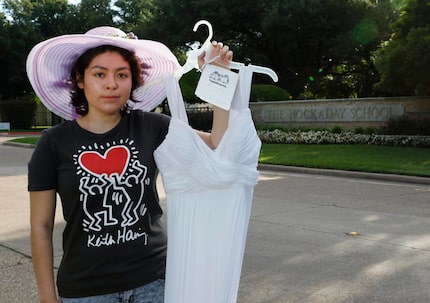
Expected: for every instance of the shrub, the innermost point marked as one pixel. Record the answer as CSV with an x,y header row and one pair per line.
x,y
370,131
188,83
269,92
407,125
326,137
359,130
336,130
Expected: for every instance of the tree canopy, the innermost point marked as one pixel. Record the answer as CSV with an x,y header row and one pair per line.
x,y
319,48
404,60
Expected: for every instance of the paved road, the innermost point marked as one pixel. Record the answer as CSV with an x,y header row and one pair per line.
x,y
298,248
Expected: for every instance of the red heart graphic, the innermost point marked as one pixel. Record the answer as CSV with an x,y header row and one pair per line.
x,y
114,161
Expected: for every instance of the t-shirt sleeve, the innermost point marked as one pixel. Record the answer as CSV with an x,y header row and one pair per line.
x,y
164,122
150,125
42,172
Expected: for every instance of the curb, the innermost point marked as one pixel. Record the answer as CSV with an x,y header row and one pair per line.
x,y
8,134
345,173
17,144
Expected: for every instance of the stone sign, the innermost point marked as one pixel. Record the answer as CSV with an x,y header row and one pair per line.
x,y
347,113
334,113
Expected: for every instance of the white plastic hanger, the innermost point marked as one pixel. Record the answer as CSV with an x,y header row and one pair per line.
x,y
193,54
192,61
256,69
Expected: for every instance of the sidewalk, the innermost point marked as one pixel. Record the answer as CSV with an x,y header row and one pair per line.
x,y
298,248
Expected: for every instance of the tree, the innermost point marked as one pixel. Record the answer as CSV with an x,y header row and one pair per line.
x,y
93,13
322,48
133,15
50,17
319,48
31,21
404,60
325,47
27,23
16,39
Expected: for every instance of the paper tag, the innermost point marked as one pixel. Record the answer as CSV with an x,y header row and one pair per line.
x,y
217,86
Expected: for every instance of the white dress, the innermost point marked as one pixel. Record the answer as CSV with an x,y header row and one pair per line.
x,y
209,196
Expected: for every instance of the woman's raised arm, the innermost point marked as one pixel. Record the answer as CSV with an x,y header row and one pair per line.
x,y
220,116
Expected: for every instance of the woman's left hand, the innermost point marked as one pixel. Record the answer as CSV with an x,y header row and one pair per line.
x,y
217,49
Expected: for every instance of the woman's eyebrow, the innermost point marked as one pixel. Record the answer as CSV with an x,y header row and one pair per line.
x,y
105,68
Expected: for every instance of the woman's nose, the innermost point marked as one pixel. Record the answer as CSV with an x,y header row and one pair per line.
x,y
111,83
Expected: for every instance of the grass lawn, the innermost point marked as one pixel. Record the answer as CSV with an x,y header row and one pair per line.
x,y
27,140
365,158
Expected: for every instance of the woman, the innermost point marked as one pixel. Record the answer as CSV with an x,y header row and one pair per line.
x,y
101,165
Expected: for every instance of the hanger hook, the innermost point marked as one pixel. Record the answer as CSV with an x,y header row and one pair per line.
x,y
210,35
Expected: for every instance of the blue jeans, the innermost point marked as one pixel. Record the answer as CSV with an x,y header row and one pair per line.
x,y
150,293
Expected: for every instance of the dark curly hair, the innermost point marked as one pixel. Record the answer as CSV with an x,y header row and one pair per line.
x,y
79,100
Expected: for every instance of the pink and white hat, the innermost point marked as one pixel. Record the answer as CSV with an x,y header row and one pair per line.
x,y
50,62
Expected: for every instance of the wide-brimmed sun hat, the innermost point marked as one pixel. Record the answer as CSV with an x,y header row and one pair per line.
x,y
50,62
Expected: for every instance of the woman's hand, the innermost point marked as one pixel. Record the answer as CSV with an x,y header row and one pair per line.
x,y
217,49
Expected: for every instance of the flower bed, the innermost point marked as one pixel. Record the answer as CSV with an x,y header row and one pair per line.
x,y
326,137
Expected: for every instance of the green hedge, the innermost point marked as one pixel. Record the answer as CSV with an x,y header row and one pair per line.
x,y
268,92
406,125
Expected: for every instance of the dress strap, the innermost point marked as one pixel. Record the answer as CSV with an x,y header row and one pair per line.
x,y
175,99
243,90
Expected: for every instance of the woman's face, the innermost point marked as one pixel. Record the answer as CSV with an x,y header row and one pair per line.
x,y
106,83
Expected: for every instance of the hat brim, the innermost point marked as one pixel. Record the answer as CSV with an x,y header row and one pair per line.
x,y
50,62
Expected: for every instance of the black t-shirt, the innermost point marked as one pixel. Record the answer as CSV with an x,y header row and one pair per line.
x,y
113,239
